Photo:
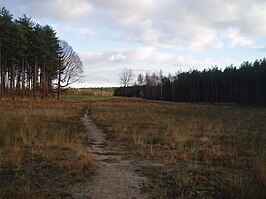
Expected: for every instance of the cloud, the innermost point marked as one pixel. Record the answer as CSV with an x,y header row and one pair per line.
x,y
193,25
261,48
104,67
64,10
187,62
149,34
236,39
116,58
74,30
141,57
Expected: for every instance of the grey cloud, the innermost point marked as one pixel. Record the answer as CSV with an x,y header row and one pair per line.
x,y
64,10
190,23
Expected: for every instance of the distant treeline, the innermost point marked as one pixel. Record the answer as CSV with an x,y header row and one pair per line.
x,y
245,85
100,91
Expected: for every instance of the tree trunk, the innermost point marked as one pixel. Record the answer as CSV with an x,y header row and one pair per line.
x,y
12,80
1,71
18,80
23,78
35,77
43,79
4,67
46,85
43,82
161,90
59,80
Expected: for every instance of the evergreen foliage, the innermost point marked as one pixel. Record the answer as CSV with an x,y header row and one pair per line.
x,y
30,55
245,85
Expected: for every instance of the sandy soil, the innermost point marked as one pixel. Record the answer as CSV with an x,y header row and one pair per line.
x,y
117,177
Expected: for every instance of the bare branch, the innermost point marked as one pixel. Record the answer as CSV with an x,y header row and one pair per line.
x,y
126,76
71,65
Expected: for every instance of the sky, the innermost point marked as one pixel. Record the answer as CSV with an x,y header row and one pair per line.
x,y
151,35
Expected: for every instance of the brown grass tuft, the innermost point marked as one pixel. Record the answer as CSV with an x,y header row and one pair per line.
x,y
41,142
219,139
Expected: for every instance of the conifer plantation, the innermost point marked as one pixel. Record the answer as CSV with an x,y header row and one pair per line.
x,y
43,148
33,60
245,85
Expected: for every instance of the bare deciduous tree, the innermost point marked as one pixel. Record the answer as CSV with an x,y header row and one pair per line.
x,y
140,79
126,76
70,67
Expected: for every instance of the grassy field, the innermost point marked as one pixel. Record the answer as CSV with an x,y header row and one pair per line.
x,y
200,150
188,150
42,148
86,97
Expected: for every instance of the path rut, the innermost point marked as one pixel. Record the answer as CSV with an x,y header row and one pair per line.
x,y
116,178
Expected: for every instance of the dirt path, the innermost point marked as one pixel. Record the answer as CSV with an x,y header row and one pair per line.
x,y
116,178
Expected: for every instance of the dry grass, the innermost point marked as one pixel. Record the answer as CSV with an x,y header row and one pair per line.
x,y
42,148
223,146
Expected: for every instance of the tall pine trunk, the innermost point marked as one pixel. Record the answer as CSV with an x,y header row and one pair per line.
x,y
43,82
35,77
1,71
23,77
12,80
4,70
43,79
161,91
59,80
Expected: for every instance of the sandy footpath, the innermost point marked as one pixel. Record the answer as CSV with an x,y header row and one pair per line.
x,y
116,176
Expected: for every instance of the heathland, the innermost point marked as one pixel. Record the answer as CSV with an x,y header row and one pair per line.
x,y
42,148
187,150
190,150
